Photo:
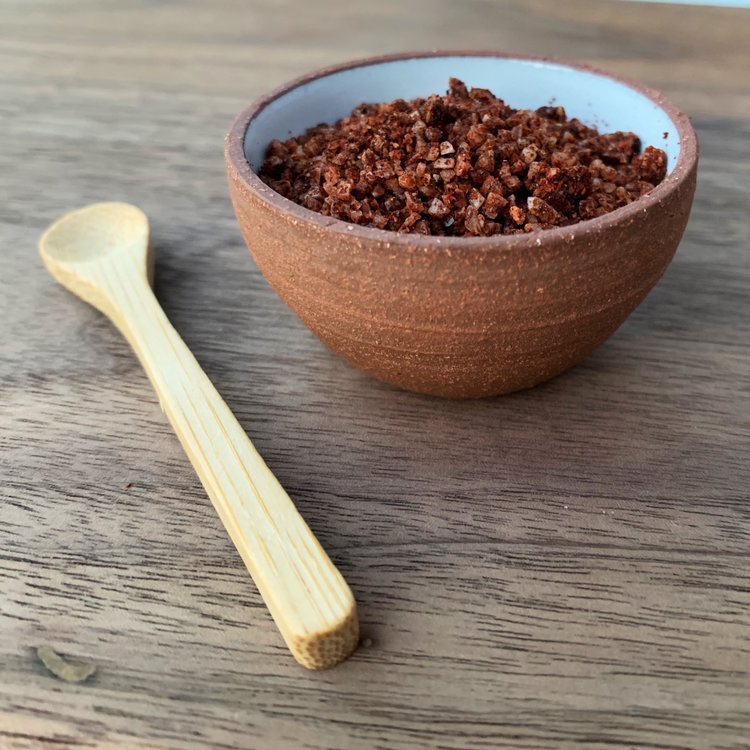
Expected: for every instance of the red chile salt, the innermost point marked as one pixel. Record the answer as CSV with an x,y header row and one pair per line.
x,y
462,164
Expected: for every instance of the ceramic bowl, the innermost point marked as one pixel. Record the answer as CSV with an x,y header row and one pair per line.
x,y
462,317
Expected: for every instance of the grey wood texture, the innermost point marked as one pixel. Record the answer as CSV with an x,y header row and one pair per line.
x,y
567,567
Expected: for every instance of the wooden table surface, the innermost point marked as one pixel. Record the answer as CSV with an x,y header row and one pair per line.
x,y
567,567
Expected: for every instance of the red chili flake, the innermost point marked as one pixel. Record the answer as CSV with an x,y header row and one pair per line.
x,y
486,161
461,164
493,204
474,221
476,199
433,152
444,162
438,208
530,153
542,211
651,165
407,180
410,221
517,214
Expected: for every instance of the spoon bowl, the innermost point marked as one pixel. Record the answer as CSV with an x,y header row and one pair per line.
x,y
81,243
95,231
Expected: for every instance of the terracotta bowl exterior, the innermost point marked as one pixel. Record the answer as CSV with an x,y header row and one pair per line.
x,y
461,317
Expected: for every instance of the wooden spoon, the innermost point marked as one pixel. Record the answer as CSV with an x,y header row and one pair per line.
x,y
101,253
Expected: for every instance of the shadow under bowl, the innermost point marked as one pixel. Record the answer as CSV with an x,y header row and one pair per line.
x,y
455,316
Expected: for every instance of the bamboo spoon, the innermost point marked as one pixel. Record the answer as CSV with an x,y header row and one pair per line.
x,y
101,253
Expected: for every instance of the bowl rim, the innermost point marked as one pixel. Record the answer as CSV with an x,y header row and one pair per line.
x,y
237,163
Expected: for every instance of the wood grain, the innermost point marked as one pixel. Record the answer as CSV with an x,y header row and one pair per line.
x,y
562,568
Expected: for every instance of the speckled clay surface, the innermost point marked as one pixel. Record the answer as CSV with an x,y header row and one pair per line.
x,y
462,317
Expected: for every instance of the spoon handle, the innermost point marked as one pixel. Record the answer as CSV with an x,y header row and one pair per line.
x,y
311,603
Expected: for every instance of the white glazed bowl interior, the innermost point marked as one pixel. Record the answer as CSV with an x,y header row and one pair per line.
x,y
595,99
